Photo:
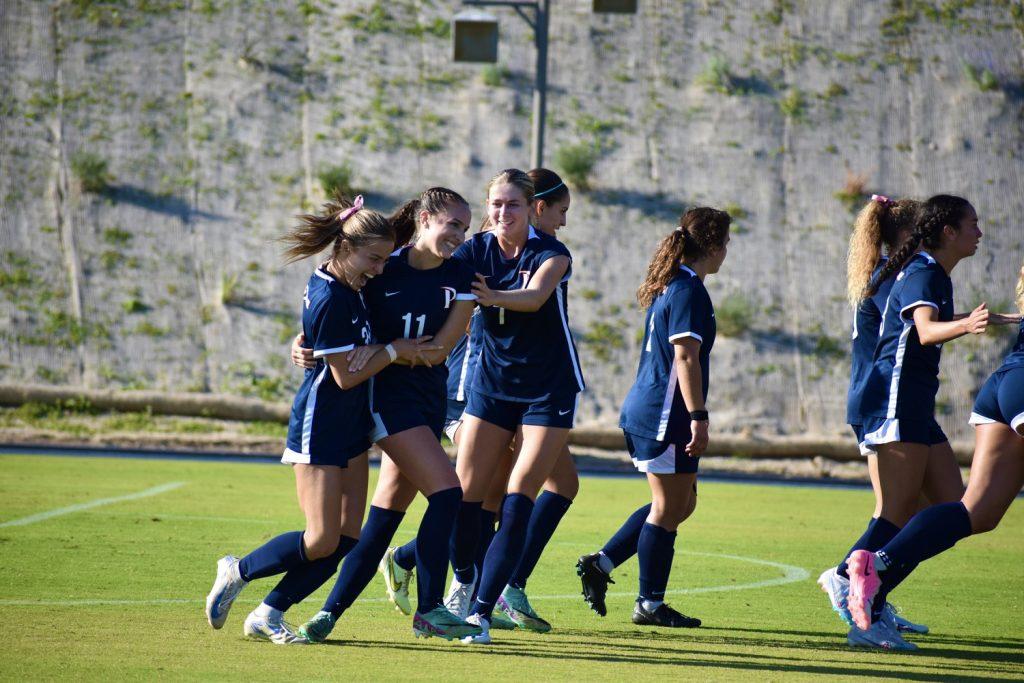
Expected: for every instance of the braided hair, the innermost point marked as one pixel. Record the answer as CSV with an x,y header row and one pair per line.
x,y
935,214
433,200
701,231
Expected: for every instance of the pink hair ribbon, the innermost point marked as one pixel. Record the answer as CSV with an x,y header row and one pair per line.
x,y
356,205
881,199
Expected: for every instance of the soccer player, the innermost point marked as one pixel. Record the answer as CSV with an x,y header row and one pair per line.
x,y
421,291
528,376
997,475
897,401
329,422
664,417
887,223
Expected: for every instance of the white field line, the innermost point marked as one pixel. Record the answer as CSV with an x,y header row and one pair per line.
x,y
50,514
791,574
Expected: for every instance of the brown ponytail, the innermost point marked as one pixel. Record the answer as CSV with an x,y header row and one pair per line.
x,y
1020,290
882,221
433,200
700,231
935,214
316,232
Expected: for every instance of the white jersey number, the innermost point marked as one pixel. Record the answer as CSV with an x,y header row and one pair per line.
x,y
421,320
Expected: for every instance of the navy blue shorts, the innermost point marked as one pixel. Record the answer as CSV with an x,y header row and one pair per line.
x,y
398,417
883,430
453,418
660,457
338,457
1001,399
510,414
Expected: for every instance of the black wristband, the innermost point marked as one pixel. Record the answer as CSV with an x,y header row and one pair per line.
x,y
699,415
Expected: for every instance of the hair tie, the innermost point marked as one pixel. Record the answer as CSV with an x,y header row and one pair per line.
x,y
537,195
345,213
881,199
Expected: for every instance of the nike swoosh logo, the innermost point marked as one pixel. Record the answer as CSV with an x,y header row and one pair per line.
x,y
392,293
355,320
565,412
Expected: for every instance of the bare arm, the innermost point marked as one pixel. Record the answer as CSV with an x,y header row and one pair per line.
x,y
931,331
530,298
687,364
406,349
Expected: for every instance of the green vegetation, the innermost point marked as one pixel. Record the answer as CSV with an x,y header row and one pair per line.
x,y
336,179
793,104
602,338
164,547
575,162
854,192
91,171
494,75
117,237
134,305
984,79
717,77
735,211
833,91
734,315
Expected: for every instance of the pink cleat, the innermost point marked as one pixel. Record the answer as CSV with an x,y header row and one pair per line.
x,y
864,585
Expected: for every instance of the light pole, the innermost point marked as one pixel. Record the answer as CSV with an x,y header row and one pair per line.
x,y
475,39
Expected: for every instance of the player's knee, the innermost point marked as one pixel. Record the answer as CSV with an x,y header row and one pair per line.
x,y
565,486
319,544
984,520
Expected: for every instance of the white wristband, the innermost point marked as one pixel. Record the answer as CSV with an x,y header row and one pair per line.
x,y
392,354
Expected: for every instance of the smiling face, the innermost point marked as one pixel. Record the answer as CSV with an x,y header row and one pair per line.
x,y
445,231
507,209
358,264
550,217
963,238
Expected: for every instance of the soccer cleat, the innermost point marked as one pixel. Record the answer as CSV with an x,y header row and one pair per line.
x,y
482,638
441,623
318,628
880,635
864,585
902,625
516,607
396,582
837,587
595,582
460,596
501,622
664,615
273,629
226,587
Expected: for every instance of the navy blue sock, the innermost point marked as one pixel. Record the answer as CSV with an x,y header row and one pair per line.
x,y
932,531
547,513
277,555
300,582
464,540
504,553
361,563
487,529
655,550
432,547
623,544
879,532
405,556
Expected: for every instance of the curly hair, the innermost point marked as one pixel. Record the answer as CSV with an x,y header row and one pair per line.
x,y
881,222
935,214
1020,290
317,231
701,231
433,200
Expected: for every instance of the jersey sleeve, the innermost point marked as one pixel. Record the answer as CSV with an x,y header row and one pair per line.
x,y
464,279
336,328
922,288
465,254
687,315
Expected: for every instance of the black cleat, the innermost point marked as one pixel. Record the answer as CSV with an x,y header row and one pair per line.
x,y
663,616
595,582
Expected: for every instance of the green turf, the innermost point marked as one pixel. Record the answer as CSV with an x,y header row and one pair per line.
x,y
163,548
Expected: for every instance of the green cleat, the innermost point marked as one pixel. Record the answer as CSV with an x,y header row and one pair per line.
x,y
501,622
396,582
516,607
318,628
441,623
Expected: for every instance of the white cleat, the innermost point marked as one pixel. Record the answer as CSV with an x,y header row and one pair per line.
x,y
837,588
273,629
460,597
396,582
902,625
226,587
484,637
882,635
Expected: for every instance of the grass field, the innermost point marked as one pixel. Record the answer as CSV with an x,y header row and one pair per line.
x,y
115,591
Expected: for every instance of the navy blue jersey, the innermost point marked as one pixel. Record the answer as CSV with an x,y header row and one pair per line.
x,y
463,359
904,377
654,407
523,356
405,302
867,324
1016,356
324,416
